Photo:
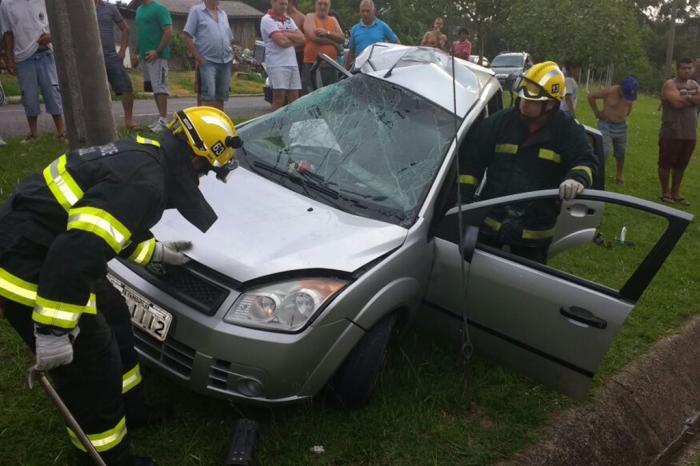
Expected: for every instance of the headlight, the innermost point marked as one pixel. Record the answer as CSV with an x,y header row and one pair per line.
x,y
285,305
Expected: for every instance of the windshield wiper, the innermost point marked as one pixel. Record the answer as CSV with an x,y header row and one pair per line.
x,y
308,181
305,180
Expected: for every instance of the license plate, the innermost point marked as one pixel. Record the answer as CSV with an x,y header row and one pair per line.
x,y
153,319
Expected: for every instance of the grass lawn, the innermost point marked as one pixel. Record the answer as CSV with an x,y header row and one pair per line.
x,y
421,413
180,84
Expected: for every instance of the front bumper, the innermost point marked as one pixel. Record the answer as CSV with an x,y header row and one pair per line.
x,y
212,357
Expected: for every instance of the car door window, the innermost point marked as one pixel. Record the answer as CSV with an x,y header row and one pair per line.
x,y
552,318
604,254
599,244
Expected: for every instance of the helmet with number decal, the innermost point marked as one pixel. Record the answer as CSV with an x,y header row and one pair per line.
x,y
209,132
541,82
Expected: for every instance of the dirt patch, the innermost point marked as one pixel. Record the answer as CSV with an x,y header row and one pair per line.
x,y
636,416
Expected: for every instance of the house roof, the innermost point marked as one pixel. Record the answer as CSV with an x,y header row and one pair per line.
x,y
234,9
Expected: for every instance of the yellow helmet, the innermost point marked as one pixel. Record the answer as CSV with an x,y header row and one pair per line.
x,y
210,133
542,81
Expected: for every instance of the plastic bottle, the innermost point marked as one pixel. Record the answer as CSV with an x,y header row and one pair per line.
x,y
623,234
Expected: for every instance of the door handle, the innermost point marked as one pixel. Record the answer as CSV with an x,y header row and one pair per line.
x,y
584,316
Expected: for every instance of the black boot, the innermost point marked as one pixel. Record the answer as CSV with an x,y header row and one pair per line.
x,y
142,461
124,459
141,413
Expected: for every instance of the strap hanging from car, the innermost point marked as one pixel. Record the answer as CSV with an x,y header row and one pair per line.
x,y
467,347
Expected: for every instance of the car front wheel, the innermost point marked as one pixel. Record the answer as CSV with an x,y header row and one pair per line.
x,y
352,384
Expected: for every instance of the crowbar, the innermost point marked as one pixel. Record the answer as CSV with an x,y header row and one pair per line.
x,y
70,420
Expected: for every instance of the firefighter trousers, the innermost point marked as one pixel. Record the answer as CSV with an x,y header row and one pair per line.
x,y
104,373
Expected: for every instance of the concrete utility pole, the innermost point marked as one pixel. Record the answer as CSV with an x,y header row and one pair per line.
x,y
87,103
671,38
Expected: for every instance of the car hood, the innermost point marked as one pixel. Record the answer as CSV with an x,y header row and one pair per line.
x,y
265,228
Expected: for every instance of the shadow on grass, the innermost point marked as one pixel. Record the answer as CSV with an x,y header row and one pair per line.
x,y
422,409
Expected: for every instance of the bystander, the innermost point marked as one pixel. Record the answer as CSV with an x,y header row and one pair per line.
x,y
612,119
680,98
107,16
30,56
154,31
462,48
298,17
368,31
323,35
281,36
209,39
571,71
435,37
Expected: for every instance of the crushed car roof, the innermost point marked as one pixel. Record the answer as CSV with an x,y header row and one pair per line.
x,y
427,72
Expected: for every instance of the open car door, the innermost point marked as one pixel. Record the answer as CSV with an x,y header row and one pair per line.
x,y
578,220
324,60
555,321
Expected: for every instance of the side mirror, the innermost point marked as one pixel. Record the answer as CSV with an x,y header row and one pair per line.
x,y
468,242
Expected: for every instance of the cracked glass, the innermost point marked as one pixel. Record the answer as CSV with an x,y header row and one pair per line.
x,y
374,146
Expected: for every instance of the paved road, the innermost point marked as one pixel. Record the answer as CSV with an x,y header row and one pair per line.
x,y
14,123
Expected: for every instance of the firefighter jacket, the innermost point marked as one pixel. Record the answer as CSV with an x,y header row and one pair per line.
x,y
87,207
516,161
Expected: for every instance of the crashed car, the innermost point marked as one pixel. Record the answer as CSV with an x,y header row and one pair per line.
x,y
340,227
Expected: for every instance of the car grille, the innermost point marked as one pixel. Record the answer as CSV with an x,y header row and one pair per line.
x,y
190,284
171,353
218,374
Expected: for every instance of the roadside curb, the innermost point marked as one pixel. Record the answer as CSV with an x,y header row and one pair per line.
x,y
636,417
15,99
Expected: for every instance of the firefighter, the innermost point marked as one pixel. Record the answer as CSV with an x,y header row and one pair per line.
x,y
59,229
530,146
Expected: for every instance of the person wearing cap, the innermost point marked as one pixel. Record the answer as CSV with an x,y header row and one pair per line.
x,y
528,147
680,99
612,119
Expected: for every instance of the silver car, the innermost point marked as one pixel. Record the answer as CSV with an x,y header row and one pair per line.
x,y
341,226
509,65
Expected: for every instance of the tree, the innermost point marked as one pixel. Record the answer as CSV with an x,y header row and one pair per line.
x,y
484,17
605,32
87,103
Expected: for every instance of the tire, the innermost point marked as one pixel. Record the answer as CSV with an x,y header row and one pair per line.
x,y
353,382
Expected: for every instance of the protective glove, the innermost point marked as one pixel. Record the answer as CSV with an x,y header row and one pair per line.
x,y
170,252
53,348
568,189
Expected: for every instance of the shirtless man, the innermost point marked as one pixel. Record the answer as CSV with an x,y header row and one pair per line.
x,y
612,120
298,18
435,38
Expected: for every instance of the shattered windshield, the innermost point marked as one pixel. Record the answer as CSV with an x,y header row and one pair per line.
x,y
362,145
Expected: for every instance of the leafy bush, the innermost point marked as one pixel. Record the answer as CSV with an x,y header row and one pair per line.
x,y
179,55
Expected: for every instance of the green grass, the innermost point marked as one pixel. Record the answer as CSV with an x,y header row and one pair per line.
x,y
422,412
180,84
9,84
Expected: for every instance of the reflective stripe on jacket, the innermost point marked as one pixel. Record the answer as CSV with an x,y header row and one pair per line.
x,y
516,161
85,208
